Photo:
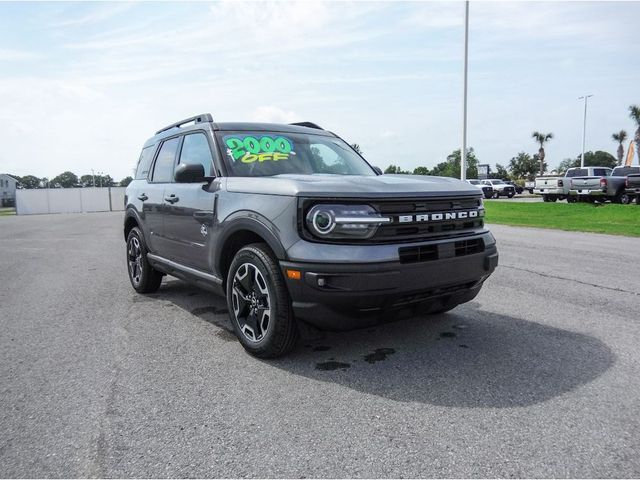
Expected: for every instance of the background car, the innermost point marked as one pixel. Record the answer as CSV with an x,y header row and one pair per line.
x,y
500,188
487,190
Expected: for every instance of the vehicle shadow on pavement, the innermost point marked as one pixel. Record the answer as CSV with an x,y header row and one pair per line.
x,y
465,358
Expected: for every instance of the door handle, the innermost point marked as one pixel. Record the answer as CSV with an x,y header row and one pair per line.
x,y
143,197
171,198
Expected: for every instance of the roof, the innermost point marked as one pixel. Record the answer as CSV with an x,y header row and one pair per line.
x,y
10,176
236,126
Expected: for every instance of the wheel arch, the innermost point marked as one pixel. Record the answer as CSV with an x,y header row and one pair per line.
x,y
241,233
131,220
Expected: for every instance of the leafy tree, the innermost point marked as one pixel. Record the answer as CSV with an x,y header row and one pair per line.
x,y
500,173
451,167
87,180
634,113
357,148
126,181
29,181
591,159
394,169
566,164
65,180
541,138
421,171
524,166
620,137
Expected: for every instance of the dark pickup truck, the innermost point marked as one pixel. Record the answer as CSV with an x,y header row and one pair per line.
x,y
292,225
632,184
611,186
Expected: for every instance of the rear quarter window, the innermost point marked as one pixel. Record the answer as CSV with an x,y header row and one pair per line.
x,y
144,162
578,172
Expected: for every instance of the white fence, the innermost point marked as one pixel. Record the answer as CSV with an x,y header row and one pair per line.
x,y
69,200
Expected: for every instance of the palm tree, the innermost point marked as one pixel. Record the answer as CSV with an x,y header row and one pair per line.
x,y
541,138
634,112
620,137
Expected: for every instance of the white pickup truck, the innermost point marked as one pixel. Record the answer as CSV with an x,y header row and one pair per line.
x,y
553,188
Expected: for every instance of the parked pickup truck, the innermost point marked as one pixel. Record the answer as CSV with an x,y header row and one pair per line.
x,y
632,185
529,186
500,188
594,185
557,188
487,190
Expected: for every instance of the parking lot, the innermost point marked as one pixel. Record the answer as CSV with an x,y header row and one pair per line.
x,y
538,377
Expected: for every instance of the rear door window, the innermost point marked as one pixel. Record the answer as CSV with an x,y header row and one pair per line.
x,y
165,163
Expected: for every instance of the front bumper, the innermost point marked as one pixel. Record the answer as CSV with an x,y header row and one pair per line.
x,y
340,296
587,193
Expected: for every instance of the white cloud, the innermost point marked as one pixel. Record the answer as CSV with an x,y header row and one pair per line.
x,y
271,114
13,55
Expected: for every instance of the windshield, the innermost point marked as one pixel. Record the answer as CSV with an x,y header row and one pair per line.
x,y
497,182
474,182
261,154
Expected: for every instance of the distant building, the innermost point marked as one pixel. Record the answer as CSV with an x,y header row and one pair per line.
x,y
7,190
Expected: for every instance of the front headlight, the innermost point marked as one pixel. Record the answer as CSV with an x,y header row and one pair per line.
x,y
344,221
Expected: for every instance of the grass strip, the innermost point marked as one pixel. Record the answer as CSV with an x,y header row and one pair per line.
x,y
612,219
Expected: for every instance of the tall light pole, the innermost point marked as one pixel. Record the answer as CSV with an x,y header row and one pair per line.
x,y
463,153
94,178
584,127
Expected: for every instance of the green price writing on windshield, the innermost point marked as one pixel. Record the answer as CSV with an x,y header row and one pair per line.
x,y
250,149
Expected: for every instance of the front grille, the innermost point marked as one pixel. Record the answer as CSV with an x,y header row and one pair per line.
x,y
413,219
427,253
417,230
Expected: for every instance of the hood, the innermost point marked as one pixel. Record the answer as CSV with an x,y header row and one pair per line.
x,y
352,186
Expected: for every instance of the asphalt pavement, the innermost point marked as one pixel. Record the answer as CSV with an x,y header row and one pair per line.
x,y
538,377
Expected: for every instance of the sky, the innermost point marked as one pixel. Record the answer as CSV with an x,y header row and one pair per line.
x,y
83,85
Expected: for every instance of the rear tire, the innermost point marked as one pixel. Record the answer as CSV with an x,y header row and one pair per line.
x,y
144,278
510,195
545,198
259,304
553,199
624,199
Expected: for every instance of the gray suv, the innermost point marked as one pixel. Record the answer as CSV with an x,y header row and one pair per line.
x,y
292,225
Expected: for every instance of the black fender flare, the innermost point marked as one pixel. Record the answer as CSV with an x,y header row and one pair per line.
x,y
254,223
129,213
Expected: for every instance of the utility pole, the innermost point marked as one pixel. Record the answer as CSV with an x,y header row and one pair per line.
x,y
584,127
94,178
463,152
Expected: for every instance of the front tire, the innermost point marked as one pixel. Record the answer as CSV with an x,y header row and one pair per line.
x,y
259,304
144,278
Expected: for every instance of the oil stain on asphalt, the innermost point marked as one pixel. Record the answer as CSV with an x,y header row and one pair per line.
x,y
326,366
379,355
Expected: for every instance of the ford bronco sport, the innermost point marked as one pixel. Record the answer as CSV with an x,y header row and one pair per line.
x,y
292,225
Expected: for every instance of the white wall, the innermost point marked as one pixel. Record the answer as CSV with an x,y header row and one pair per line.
x,y
69,200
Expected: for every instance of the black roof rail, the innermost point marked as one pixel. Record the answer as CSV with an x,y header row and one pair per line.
x,y
203,117
308,124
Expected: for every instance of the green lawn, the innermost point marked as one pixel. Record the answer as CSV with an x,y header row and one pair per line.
x,y
580,217
7,211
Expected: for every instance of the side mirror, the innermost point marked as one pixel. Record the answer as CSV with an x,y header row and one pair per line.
x,y
189,173
378,170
